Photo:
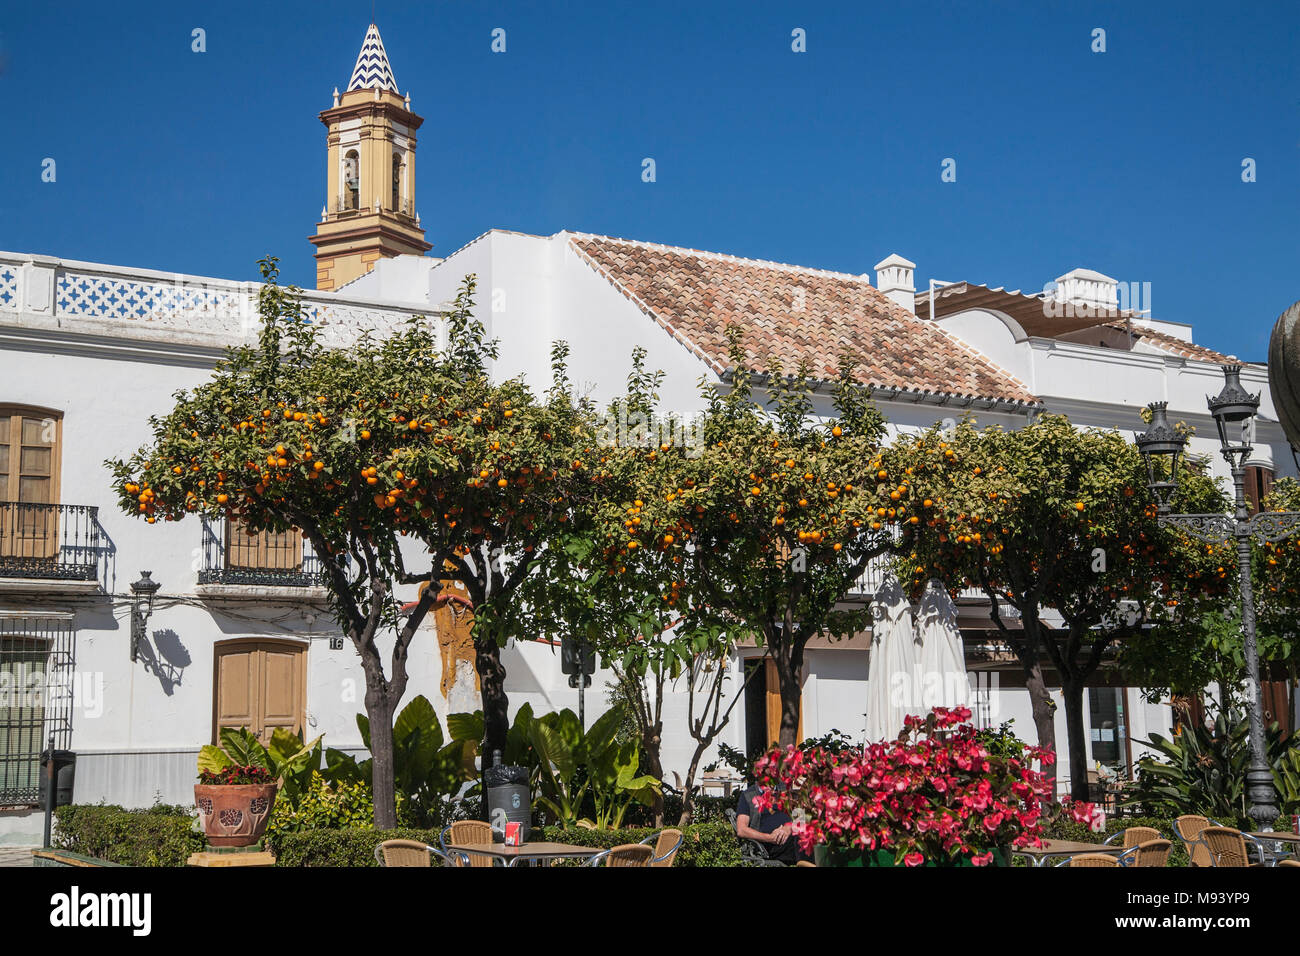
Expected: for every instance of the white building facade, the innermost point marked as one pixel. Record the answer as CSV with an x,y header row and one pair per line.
x,y
242,630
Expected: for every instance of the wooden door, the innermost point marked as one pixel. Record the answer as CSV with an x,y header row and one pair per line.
x,y
29,471
773,682
260,685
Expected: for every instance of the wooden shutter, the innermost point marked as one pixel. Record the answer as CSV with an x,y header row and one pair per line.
x,y
773,682
260,685
1259,485
265,551
1277,704
29,475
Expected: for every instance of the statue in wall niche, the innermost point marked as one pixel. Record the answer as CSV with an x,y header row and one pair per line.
x,y
1284,372
453,616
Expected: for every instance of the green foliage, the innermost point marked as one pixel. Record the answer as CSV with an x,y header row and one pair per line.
x,y
158,836
1203,771
426,771
324,806
1003,742
352,847
706,844
573,776
290,762
703,844
834,741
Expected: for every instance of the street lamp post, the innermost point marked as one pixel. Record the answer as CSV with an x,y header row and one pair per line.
x,y
142,593
1162,447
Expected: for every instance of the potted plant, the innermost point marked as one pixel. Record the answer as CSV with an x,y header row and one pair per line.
x,y
239,779
936,796
234,804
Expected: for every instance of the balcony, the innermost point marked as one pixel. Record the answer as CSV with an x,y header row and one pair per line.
x,y
63,297
50,542
233,557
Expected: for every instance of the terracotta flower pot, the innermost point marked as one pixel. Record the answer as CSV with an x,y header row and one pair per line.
x,y
234,815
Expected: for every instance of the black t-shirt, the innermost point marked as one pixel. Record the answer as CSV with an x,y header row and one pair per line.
x,y
764,822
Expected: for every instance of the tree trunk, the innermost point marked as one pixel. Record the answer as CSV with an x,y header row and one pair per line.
x,y
688,788
492,685
788,657
1044,714
651,739
379,711
1077,745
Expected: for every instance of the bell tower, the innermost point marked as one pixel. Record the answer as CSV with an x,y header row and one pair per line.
x,y
369,207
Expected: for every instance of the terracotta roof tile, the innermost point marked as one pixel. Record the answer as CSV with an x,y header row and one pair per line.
x,y
1176,346
795,315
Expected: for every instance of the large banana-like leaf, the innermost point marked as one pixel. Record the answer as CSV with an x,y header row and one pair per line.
x,y
244,749
466,727
212,759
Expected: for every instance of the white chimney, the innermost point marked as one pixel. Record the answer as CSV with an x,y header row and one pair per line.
x,y
894,279
1088,291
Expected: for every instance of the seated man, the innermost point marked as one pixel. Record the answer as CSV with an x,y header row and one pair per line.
x,y
771,828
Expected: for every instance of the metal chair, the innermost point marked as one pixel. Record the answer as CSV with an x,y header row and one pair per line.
x,y
628,854
1093,859
666,844
1148,853
467,833
1229,847
392,853
1132,837
1189,828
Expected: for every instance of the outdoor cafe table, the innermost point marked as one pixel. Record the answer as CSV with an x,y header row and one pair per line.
x,y
1284,841
510,855
1050,848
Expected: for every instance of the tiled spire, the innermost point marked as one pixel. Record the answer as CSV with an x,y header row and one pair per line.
x,y
372,71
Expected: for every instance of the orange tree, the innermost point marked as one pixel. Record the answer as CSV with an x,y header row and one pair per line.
x,y
377,453
622,588
1194,654
1056,522
773,517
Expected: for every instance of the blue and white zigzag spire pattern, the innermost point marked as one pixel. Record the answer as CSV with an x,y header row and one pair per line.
x,y
372,71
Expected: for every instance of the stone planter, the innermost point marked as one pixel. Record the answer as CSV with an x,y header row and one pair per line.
x,y
825,856
234,815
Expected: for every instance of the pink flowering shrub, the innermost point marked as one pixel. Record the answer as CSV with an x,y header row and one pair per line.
x,y
935,793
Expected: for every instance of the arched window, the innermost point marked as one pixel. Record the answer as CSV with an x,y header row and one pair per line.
x,y
397,183
351,179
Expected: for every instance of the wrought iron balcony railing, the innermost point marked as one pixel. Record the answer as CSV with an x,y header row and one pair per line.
x,y
55,542
232,556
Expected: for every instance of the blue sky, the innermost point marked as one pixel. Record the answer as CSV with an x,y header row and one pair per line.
x,y
1127,161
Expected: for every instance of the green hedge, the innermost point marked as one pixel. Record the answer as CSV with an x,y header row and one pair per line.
x,y
158,836
353,847
703,844
706,844
1064,828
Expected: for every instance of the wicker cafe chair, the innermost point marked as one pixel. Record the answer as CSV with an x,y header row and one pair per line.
x,y
1133,836
467,833
666,844
629,854
1189,827
409,853
1093,859
1228,847
1288,862
1148,853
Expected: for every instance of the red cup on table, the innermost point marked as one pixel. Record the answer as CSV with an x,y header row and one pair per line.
x,y
514,834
